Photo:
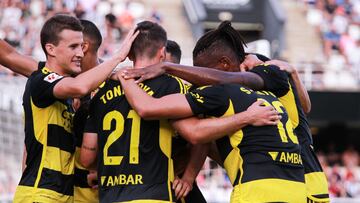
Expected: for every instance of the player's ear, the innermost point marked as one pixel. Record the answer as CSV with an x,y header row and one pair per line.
x,y
50,49
162,53
225,63
85,46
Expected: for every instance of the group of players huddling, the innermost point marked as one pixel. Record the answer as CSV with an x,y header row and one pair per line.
x,y
142,134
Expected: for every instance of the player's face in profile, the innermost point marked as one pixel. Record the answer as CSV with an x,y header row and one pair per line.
x,y
69,51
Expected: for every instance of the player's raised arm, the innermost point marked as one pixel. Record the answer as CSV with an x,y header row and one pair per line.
x,y
252,61
15,61
199,76
84,83
301,90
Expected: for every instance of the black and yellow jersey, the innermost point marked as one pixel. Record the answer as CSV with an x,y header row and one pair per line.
x,y
134,159
278,82
82,191
283,87
49,142
263,163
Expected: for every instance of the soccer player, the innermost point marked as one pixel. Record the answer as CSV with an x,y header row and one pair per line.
x,y
182,150
294,101
92,41
85,180
263,163
289,90
134,160
134,155
173,52
224,53
49,142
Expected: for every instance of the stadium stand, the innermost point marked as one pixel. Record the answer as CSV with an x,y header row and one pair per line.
x,y
11,134
336,23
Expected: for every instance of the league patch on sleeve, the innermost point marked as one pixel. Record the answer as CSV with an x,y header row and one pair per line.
x,y
52,77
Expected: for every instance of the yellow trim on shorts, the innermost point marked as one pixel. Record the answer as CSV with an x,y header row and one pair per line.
x,y
316,184
27,194
269,190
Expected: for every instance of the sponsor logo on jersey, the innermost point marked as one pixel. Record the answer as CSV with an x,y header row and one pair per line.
x,y
286,157
122,179
52,77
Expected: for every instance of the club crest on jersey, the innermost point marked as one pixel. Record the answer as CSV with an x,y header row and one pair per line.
x,y
52,77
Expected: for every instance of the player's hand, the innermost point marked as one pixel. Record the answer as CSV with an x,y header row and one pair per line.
x,y
262,115
282,65
126,44
117,74
181,187
142,74
92,179
76,104
250,62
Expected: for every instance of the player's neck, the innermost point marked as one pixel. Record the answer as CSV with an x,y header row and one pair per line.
x,y
143,62
55,67
89,61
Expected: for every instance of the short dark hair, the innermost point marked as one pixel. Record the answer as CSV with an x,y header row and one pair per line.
x,y
92,32
54,25
150,39
174,49
223,39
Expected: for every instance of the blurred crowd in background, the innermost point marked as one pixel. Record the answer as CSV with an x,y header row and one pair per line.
x,y
337,23
343,172
21,21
